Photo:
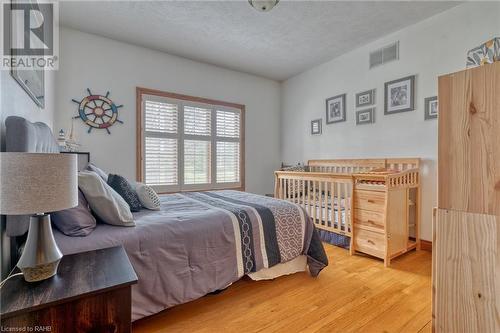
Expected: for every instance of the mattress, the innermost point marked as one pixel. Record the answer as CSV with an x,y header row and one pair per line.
x,y
322,206
326,213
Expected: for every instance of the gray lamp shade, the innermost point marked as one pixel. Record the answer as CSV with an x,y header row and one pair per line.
x,y
32,183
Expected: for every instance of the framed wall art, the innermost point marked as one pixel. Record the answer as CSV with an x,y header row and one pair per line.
x,y
335,109
486,53
32,80
399,95
366,116
365,98
431,108
316,127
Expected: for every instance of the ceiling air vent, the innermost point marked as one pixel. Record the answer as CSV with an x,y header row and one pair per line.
x,y
384,55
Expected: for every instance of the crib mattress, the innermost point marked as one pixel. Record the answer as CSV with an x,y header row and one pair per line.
x,y
324,215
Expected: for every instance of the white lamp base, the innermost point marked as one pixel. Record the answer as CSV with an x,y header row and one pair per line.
x,y
41,256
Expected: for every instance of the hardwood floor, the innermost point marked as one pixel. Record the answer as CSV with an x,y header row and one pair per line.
x,y
353,294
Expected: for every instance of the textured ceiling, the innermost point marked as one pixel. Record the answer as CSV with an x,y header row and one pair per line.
x,y
293,37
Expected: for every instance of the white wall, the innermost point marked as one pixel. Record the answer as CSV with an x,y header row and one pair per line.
x,y
430,48
101,64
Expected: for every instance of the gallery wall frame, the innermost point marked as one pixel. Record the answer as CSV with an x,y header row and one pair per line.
x,y
399,95
365,98
431,108
316,127
366,116
336,109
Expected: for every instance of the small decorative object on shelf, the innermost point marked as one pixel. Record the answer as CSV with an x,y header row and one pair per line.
x,y
98,111
297,167
71,144
486,53
61,140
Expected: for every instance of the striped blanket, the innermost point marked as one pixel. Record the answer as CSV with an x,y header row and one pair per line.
x,y
270,231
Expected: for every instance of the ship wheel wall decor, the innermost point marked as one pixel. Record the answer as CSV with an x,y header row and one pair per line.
x,y
98,111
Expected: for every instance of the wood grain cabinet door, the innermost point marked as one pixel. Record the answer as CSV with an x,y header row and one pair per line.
x,y
466,272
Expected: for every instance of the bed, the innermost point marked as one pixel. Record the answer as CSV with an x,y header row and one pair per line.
x,y
203,242
199,242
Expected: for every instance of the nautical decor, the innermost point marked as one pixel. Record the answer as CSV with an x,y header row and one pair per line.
x,y
263,5
61,140
71,144
98,111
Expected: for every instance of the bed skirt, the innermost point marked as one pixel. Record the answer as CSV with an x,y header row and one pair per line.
x,y
334,238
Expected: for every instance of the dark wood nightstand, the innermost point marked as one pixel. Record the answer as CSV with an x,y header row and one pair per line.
x,y
90,293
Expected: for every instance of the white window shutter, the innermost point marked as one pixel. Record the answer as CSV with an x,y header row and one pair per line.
x,y
228,162
228,146
228,124
190,146
160,142
160,117
197,162
197,121
160,161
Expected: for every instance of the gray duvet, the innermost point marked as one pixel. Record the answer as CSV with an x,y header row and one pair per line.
x,y
202,242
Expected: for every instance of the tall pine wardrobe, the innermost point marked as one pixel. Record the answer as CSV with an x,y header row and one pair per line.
x,y
466,231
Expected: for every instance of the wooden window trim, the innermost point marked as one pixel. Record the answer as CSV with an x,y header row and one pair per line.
x,y
140,127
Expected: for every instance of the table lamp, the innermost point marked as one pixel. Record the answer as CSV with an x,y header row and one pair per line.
x,y
35,184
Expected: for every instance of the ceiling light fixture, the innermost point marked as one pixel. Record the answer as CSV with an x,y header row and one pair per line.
x,y
263,5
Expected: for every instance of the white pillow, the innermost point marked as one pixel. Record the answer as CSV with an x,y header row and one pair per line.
x,y
147,196
105,202
99,171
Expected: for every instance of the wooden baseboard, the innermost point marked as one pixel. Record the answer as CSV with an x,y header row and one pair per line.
x,y
425,245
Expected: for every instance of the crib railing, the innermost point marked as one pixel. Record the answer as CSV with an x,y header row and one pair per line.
x,y
408,178
325,196
403,164
363,165
345,166
403,179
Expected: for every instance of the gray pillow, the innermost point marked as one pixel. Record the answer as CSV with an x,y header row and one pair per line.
x,y
76,221
92,167
108,205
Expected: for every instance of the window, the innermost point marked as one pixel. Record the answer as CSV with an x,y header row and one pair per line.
x,y
188,143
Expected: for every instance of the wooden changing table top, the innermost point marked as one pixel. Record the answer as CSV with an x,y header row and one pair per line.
x,y
380,172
